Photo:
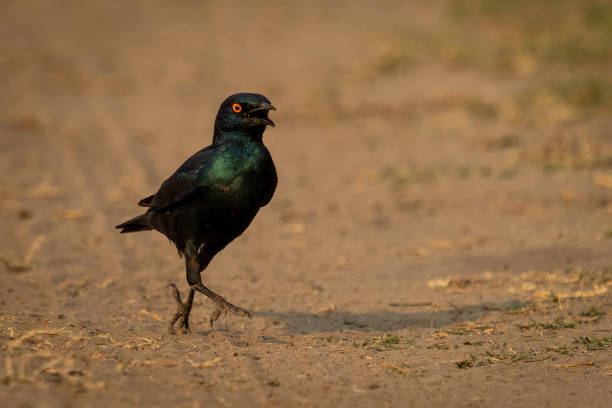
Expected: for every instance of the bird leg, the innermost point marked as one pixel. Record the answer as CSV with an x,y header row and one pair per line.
x,y
195,262
182,310
222,304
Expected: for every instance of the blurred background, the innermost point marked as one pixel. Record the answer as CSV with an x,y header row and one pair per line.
x,y
418,144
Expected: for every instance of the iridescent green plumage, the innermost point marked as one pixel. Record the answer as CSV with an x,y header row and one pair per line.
x,y
213,197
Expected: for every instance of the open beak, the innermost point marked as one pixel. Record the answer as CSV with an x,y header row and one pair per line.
x,y
261,112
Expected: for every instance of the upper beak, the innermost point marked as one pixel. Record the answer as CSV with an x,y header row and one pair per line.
x,y
264,106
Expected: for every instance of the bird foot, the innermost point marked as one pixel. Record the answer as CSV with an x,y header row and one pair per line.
x,y
223,306
182,310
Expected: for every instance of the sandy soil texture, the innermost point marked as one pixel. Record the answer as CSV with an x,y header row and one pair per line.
x,y
441,234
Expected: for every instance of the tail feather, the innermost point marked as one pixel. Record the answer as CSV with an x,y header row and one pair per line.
x,y
140,223
146,202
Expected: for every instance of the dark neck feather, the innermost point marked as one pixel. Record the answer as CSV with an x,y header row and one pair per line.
x,y
239,135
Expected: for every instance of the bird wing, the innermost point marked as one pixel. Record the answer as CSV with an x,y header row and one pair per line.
x,y
273,180
208,175
185,182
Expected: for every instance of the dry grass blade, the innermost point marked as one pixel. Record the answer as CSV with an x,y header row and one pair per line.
x,y
50,332
8,366
61,367
418,304
535,360
586,363
147,363
151,315
204,364
33,248
395,368
25,264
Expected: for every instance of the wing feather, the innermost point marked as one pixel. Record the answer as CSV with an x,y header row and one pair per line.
x,y
184,183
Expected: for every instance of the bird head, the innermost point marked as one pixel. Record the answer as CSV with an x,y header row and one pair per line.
x,y
244,113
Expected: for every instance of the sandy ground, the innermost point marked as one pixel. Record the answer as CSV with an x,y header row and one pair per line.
x,y
440,236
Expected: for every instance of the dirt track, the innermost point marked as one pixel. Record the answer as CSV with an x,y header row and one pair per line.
x,y
440,236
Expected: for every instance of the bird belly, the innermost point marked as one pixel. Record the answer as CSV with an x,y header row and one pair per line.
x,y
216,218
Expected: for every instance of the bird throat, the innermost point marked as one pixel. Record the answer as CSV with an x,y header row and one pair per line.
x,y
238,135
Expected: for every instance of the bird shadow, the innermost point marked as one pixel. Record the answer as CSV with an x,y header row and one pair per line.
x,y
384,320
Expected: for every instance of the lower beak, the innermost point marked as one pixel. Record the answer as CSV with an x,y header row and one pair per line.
x,y
266,107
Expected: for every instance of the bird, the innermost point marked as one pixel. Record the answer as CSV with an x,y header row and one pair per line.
x,y
212,197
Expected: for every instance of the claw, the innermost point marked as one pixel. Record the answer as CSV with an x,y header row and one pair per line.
x,y
222,304
175,292
225,306
182,310
214,316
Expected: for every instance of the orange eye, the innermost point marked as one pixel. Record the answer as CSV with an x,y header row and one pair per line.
x,y
237,108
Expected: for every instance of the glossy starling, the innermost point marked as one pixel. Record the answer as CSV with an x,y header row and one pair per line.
x,y
213,197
